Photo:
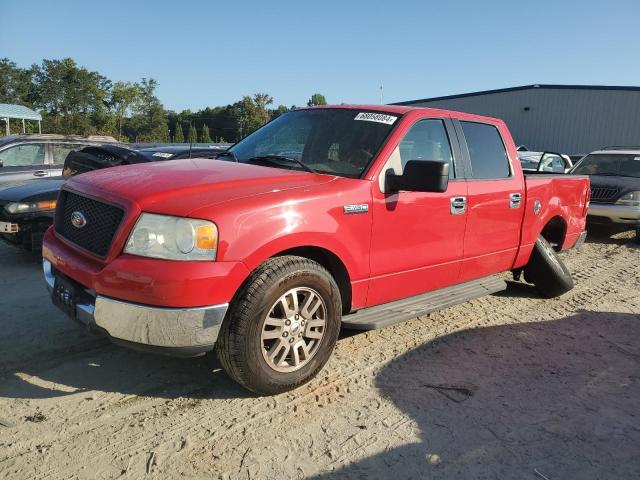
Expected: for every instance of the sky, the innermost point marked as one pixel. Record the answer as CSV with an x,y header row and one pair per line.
x,y
209,53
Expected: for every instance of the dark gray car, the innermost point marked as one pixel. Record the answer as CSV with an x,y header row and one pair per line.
x,y
27,157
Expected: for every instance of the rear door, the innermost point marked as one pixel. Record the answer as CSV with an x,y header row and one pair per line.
x,y
495,202
21,162
417,237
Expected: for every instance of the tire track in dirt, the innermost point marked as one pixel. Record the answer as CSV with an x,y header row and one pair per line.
x,y
348,373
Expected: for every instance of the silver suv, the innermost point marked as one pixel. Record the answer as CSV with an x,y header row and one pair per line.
x,y
25,157
615,185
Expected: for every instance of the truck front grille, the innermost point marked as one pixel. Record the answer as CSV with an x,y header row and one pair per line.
x,y
102,222
604,194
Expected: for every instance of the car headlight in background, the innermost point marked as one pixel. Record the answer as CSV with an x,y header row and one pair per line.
x,y
631,199
173,238
30,207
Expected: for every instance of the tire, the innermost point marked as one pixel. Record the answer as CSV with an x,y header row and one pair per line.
x,y
242,347
637,239
547,271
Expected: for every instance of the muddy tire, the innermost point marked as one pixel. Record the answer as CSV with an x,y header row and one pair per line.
x,y
282,326
547,271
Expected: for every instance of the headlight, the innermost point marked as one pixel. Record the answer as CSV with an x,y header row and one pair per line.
x,y
173,238
14,208
631,199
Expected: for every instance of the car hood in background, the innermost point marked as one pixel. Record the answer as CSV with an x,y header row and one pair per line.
x,y
178,187
32,190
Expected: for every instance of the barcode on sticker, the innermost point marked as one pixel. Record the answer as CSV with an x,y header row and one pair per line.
x,y
376,117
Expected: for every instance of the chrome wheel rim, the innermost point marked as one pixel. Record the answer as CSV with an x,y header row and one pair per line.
x,y
293,329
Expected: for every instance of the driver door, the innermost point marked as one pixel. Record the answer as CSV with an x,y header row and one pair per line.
x,y
417,237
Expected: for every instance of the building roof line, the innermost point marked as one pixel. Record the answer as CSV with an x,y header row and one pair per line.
x,y
523,87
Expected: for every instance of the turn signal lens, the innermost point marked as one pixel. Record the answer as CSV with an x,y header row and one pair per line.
x,y
45,205
206,237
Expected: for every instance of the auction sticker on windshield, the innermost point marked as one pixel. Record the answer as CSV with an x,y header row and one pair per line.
x,y
376,117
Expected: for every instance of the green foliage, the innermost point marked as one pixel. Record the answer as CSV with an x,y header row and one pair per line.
x,y
316,99
205,137
123,96
15,83
178,137
192,134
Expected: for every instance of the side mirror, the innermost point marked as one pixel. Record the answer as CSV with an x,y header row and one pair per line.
x,y
419,176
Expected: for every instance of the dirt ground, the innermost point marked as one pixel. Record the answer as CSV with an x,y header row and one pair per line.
x,y
509,386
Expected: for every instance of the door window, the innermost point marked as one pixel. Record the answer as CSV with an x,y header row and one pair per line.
x,y
23,155
427,140
60,151
486,151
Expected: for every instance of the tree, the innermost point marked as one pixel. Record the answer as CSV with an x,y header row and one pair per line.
x,y
316,99
73,99
252,113
149,117
178,136
15,83
123,96
205,137
192,134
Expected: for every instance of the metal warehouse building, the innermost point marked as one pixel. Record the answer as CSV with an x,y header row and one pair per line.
x,y
572,119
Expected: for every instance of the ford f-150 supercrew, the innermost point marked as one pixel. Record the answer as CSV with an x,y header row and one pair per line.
x,y
359,216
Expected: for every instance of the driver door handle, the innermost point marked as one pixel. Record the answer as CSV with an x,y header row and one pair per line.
x,y
40,173
458,205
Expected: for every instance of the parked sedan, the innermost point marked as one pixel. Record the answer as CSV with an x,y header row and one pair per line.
x,y
615,186
31,156
27,208
544,162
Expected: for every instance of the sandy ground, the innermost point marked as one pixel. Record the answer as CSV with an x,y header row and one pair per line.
x,y
509,386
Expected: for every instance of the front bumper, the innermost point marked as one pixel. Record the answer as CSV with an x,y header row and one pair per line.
x,y
173,331
615,213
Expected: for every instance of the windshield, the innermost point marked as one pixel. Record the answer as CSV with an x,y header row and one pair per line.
x,y
627,165
335,141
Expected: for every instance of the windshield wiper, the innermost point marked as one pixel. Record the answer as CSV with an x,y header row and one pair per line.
x,y
228,153
274,159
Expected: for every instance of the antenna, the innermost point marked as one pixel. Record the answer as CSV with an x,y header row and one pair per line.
x,y
381,93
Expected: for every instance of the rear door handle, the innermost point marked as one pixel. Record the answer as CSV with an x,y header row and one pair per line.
x,y
514,200
39,173
458,205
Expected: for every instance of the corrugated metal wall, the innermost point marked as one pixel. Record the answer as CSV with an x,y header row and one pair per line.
x,y
562,120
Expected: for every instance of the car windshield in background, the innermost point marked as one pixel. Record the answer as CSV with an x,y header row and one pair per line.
x,y
334,141
618,164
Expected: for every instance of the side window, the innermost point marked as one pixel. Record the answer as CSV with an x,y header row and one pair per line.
x,y
486,150
427,140
61,150
23,155
552,163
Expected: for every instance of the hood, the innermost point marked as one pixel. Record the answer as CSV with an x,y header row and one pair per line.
x,y
32,190
182,186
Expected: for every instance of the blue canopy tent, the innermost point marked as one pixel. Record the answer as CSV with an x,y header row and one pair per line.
x,y
9,111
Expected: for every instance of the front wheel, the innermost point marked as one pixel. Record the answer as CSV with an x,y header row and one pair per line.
x,y
282,325
547,271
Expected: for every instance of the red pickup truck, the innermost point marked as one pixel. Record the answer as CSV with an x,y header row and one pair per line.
x,y
360,216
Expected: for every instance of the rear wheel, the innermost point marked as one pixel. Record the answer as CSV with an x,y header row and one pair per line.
x,y
282,326
547,271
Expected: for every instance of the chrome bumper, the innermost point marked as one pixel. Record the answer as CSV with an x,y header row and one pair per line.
x,y
190,329
616,213
581,240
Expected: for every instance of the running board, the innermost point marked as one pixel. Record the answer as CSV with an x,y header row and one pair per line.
x,y
387,314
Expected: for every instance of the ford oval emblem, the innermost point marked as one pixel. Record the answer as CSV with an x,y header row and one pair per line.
x,y
78,220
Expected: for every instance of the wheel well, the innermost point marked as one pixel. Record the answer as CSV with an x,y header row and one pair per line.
x,y
333,264
554,232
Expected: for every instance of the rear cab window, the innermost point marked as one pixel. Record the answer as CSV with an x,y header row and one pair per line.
x,y
487,152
